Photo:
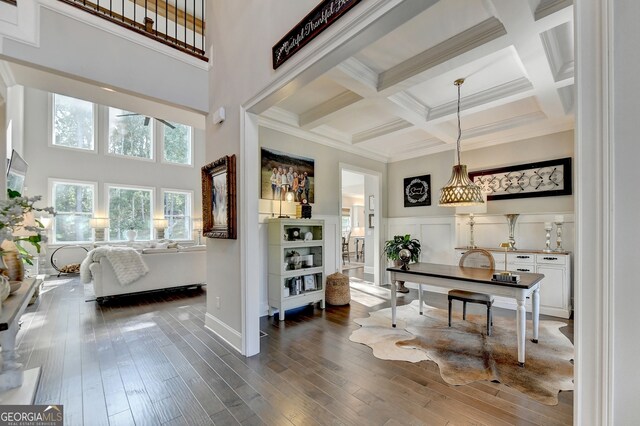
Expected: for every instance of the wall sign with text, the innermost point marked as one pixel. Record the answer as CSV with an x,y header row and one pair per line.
x,y
318,20
417,191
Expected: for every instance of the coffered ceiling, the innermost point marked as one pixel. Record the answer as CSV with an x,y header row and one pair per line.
x,y
395,99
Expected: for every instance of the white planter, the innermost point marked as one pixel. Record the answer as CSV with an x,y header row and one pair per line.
x,y
131,234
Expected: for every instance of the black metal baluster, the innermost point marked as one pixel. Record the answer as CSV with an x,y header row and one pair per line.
x,y
175,21
185,23
111,8
134,6
203,24
193,16
156,22
145,13
166,19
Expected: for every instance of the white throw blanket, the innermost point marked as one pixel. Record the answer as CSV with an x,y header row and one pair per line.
x,y
126,261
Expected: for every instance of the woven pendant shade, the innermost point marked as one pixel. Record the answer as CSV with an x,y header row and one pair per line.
x,y
460,190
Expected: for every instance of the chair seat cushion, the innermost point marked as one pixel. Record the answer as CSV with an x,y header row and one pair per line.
x,y
471,296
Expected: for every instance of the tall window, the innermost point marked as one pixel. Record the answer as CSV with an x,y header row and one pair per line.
x,y
72,123
74,203
177,209
176,144
130,134
130,208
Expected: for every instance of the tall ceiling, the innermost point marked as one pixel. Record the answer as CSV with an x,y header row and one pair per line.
x,y
395,99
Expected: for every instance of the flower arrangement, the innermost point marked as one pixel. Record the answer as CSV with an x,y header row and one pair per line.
x,y
392,247
13,210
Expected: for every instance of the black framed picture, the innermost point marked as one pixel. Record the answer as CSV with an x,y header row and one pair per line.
x,y
540,179
417,191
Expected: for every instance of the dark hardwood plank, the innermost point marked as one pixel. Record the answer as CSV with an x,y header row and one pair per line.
x,y
150,360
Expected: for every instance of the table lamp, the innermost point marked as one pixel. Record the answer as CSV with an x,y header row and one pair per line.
x,y
197,226
160,225
99,224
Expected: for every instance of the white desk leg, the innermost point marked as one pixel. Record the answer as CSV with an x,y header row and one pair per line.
x,y
536,313
393,300
420,297
521,322
11,375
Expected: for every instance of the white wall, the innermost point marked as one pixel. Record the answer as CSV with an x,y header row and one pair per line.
x,y
626,174
439,165
93,49
47,161
327,195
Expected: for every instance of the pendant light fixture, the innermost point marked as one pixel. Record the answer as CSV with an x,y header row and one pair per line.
x,y
460,190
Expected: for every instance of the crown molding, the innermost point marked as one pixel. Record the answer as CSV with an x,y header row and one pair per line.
x,y
549,7
500,92
476,36
322,113
382,130
320,139
410,103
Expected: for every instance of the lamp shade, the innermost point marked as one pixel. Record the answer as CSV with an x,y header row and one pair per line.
x,y
160,223
99,222
460,191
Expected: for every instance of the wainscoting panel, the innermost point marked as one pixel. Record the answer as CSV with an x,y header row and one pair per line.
x,y
491,230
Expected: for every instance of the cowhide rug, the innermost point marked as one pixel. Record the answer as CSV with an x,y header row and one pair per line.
x,y
466,354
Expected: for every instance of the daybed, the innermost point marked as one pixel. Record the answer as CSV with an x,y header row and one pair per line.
x,y
168,268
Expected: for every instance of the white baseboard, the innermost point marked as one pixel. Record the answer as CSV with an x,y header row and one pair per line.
x,y
226,333
264,311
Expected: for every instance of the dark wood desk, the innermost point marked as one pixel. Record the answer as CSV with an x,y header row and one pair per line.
x,y
477,280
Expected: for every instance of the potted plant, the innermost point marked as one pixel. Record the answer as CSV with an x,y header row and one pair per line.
x,y
392,249
132,233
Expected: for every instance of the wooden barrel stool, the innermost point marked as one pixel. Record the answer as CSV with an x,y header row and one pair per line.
x,y
338,291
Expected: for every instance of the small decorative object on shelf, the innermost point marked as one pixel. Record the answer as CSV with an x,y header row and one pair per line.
x,y
559,220
505,276
547,243
511,221
306,209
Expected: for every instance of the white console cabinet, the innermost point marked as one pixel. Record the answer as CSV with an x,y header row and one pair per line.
x,y
555,288
296,264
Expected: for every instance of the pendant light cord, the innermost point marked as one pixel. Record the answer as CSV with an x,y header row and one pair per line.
x,y
459,83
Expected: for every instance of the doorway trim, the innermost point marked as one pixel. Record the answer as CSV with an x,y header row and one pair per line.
x,y
378,273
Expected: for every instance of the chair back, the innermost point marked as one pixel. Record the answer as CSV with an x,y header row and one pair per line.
x,y
477,258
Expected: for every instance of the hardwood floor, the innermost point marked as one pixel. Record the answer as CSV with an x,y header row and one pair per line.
x,y
150,361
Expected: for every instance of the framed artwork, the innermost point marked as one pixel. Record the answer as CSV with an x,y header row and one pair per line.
x,y
540,179
219,198
371,220
417,191
309,282
372,202
281,173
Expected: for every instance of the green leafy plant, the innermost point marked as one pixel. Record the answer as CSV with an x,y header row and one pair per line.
x,y
12,215
399,242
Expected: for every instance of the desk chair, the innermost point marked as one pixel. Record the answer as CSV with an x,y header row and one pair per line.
x,y
345,248
474,258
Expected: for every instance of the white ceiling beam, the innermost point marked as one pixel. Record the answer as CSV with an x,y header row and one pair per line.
x,y
396,127
520,25
408,73
410,109
547,8
323,113
321,139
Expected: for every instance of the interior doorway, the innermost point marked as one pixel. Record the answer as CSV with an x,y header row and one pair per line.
x,y
360,204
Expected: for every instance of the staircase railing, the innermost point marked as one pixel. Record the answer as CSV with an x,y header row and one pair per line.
x,y
176,23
